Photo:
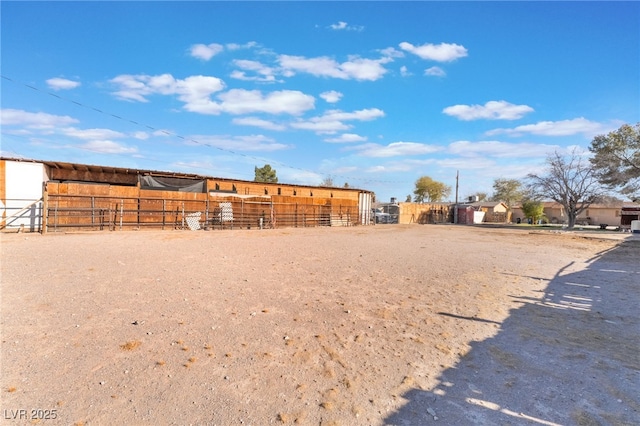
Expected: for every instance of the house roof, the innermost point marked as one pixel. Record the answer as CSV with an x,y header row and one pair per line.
x,y
630,206
487,204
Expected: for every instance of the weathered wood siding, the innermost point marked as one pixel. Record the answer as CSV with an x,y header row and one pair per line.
x,y
103,206
424,213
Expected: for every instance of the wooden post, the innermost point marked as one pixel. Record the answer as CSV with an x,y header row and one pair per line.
x,y
206,213
121,212
55,217
45,210
164,210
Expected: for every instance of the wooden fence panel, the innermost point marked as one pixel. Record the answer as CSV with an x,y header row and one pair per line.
x,y
115,208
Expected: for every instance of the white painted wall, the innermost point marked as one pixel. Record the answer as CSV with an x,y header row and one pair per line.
x,y
23,182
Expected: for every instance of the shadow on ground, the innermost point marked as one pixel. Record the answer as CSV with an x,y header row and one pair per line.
x,y
569,358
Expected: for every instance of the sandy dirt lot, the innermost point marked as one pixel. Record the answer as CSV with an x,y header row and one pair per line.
x,y
399,325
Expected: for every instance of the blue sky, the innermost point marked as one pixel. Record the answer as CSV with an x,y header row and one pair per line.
x,y
375,94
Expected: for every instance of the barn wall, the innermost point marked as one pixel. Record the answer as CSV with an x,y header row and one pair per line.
x,y
94,197
102,206
261,188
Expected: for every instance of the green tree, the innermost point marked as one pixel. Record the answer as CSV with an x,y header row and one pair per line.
x,y
569,181
616,159
430,190
533,209
408,199
265,174
509,191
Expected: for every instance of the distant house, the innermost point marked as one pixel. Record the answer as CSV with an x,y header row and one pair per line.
x,y
494,211
628,213
612,214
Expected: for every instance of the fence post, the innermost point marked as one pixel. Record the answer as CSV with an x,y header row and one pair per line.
x,y
206,214
55,217
93,213
45,211
121,212
182,227
164,209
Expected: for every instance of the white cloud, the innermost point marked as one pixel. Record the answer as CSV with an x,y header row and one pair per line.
x,y
241,75
339,26
236,46
141,135
240,101
555,128
347,138
435,71
365,69
332,121
240,143
321,126
396,149
192,90
331,96
258,122
196,91
62,84
320,66
108,147
206,51
265,73
500,149
391,52
355,68
404,71
360,115
443,52
92,134
492,110
344,26
38,120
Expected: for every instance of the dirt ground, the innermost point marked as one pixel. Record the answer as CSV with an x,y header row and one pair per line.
x,y
386,324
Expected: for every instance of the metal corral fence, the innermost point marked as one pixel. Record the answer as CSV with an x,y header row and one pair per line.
x,y
22,214
117,213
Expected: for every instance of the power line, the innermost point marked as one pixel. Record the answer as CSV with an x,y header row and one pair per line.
x,y
187,139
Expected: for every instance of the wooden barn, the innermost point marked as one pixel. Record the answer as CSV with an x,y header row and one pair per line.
x,y
52,196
